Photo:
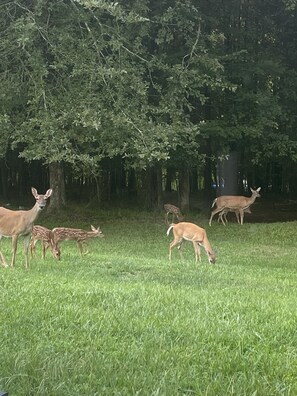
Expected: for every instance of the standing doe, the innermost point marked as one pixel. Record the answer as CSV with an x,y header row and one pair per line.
x,y
191,232
175,211
234,202
14,223
76,234
45,236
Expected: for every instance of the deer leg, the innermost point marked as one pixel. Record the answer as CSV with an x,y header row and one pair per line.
x,y
220,217
3,261
174,243
87,247
217,210
45,246
26,244
180,249
197,251
14,244
32,247
2,258
225,217
237,217
80,247
222,214
241,212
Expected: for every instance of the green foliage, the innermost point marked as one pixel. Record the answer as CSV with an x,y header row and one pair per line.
x,y
107,81
86,79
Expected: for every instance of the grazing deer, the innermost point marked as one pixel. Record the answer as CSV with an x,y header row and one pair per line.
x,y
234,202
44,235
175,211
14,223
223,214
191,232
75,234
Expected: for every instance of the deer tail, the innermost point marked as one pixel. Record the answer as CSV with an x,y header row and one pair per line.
x,y
169,229
213,202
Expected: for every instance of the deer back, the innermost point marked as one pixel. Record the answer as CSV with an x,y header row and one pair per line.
x,y
76,234
188,231
41,233
237,201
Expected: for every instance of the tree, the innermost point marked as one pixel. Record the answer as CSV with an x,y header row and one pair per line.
x,y
106,82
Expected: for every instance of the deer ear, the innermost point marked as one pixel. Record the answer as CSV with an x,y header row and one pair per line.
x,y
48,193
93,228
34,192
258,189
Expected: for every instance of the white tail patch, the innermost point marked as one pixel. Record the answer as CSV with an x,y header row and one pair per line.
x,y
169,229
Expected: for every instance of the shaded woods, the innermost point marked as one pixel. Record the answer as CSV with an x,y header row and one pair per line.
x,y
140,103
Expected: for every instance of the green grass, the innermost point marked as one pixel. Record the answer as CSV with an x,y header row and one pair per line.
x,y
123,320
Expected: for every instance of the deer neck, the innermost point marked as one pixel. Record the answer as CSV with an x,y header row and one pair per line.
x,y
252,199
33,213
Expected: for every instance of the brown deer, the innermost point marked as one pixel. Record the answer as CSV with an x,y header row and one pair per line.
x,y
175,211
76,234
15,223
223,214
45,236
234,202
191,232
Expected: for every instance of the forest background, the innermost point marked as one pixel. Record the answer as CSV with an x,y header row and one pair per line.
x,y
126,102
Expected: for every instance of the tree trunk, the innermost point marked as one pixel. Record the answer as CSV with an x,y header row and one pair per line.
x,y
169,177
208,169
159,188
194,180
57,183
228,175
4,180
184,190
151,191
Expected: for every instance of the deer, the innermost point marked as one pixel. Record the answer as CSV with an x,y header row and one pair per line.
x,y
76,234
234,202
185,231
175,211
43,234
223,214
16,223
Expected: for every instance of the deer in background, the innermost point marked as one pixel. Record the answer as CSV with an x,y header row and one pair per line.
x,y
175,211
15,223
45,236
76,234
234,202
223,214
191,232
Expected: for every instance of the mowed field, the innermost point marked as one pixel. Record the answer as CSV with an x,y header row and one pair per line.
x,y
123,320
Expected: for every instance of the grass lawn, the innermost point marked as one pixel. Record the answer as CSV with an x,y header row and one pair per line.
x,y
123,320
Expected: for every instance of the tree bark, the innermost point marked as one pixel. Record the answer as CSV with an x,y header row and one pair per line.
x,y
57,183
184,190
228,175
152,188
159,188
3,179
